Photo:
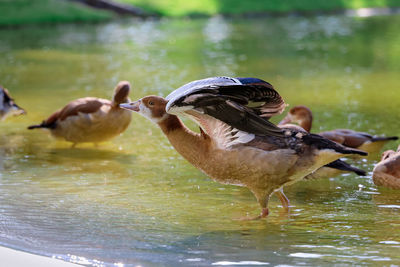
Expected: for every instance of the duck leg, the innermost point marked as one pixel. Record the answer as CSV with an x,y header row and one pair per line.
x,y
284,200
264,214
262,198
264,207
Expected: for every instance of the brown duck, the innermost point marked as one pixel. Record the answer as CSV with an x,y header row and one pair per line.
x,y
302,115
387,172
237,144
90,119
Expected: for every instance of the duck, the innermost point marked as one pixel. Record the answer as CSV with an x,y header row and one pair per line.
x,y
237,144
90,119
387,172
302,115
8,106
332,169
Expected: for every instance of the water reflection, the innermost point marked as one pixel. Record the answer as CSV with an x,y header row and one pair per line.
x,y
217,49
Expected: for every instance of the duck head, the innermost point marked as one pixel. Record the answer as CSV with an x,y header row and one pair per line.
x,y
301,115
8,106
151,107
388,154
121,93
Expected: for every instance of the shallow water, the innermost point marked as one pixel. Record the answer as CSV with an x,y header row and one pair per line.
x,y
135,201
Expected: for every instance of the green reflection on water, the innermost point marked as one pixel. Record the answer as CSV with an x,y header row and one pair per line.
x,y
135,200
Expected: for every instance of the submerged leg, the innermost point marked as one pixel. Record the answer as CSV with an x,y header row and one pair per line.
x,y
283,198
264,214
262,199
264,208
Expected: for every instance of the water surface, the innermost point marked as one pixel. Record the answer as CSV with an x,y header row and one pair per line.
x,y
135,201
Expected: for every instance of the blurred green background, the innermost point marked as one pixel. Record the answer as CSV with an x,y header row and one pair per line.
x,y
14,12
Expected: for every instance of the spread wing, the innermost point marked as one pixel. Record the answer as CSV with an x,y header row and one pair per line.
x,y
244,104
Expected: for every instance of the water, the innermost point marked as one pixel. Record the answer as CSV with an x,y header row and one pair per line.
x,y
135,201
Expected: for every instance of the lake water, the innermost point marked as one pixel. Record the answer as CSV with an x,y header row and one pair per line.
x,y
134,201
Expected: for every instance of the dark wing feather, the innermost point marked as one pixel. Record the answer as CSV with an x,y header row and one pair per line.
x,y
322,143
199,84
341,165
245,107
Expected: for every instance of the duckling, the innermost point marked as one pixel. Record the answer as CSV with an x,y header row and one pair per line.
x,y
7,105
387,171
90,119
359,140
237,144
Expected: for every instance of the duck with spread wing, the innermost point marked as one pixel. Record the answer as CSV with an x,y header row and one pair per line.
x,y
237,144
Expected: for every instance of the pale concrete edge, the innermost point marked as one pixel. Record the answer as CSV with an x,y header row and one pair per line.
x,y
16,258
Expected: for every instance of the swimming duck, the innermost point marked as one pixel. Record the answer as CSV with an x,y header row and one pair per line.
x,y
90,119
387,171
7,105
237,144
360,140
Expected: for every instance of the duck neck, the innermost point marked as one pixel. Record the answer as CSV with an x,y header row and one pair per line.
x,y
306,123
192,146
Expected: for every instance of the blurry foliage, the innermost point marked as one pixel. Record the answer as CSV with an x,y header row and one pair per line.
x,y
47,11
50,11
211,7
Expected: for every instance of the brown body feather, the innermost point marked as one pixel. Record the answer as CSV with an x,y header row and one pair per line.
x,y
263,164
90,119
260,168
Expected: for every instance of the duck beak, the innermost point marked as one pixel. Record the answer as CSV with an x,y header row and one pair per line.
x,y
133,106
18,110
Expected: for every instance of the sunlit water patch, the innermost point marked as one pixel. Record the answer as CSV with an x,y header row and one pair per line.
x,y
135,201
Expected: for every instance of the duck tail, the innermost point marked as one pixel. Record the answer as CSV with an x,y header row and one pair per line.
x,y
384,138
324,143
42,125
341,165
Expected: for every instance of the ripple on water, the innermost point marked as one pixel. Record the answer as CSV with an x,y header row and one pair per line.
x,y
229,263
306,255
389,242
390,206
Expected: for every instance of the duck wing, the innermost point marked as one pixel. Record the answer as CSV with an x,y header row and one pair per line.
x,y
87,105
245,104
344,166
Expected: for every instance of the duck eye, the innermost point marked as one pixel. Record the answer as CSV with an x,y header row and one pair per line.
x,y
151,103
